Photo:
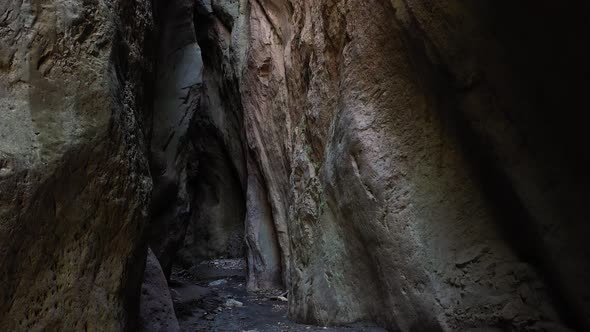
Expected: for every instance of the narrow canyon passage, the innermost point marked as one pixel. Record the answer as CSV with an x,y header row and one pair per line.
x,y
294,165
216,146
201,186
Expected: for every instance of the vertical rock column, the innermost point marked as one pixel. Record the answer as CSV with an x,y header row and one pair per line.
x,y
267,120
264,255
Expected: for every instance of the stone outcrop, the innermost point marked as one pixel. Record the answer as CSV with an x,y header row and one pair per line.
x,y
156,311
74,178
400,153
264,255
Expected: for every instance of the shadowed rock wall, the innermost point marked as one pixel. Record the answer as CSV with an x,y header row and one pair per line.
x,y
74,178
216,227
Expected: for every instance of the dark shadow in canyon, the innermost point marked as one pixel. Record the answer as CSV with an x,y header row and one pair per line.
x,y
542,113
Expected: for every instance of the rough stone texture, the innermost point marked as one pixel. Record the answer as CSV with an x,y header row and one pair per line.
x,y
74,180
406,152
176,98
156,311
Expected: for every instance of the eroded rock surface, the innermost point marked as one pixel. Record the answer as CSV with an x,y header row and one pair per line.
x,y
74,178
402,149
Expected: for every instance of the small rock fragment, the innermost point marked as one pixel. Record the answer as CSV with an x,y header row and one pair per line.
x,y
279,298
230,303
217,283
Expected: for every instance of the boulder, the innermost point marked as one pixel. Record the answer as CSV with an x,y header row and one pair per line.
x,y
156,311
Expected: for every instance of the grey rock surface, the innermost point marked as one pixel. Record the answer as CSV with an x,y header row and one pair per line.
x,y
264,255
156,311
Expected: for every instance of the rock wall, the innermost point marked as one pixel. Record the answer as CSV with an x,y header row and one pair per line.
x,y
74,178
403,154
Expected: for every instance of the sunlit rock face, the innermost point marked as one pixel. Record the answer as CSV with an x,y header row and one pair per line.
x,y
406,158
74,177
